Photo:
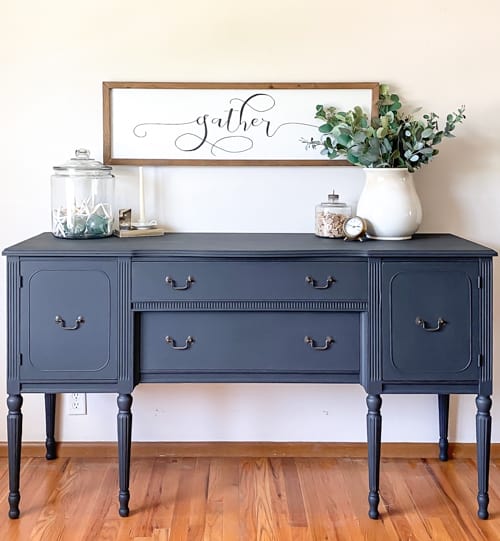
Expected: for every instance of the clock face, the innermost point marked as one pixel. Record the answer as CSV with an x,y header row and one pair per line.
x,y
354,227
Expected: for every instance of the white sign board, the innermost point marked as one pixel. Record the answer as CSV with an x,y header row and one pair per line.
x,y
221,123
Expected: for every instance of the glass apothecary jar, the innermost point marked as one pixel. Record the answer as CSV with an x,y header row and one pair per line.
x,y
330,217
82,198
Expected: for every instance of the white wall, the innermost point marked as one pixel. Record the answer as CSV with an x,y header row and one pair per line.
x,y
54,56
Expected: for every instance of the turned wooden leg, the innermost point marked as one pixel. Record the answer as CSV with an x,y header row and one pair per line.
x,y
444,409
14,436
483,436
124,444
50,425
374,430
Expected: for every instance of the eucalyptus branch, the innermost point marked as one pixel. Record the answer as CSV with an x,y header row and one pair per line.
x,y
391,139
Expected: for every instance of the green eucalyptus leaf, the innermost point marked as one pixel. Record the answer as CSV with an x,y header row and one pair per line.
x,y
325,128
384,89
355,150
344,139
372,154
351,157
359,137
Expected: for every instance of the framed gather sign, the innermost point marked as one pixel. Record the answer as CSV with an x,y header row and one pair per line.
x,y
221,123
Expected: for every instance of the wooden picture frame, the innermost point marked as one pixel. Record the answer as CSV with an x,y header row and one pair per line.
x,y
257,124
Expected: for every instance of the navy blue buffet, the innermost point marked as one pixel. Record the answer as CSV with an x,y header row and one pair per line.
x,y
104,315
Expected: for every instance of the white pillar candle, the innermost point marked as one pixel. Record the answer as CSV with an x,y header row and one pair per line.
x,y
142,218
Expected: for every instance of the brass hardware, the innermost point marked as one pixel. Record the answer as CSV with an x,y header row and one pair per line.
x,y
60,321
310,280
422,323
171,341
328,340
171,282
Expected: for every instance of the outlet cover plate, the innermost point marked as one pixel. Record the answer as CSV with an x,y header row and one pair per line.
x,y
78,404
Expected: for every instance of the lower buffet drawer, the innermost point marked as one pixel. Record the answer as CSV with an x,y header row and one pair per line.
x,y
249,341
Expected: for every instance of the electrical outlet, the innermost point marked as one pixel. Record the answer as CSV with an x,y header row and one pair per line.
x,y
78,404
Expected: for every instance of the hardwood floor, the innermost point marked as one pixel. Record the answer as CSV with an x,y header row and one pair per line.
x,y
248,499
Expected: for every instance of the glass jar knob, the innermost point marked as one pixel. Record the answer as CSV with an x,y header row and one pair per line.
x,y
82,154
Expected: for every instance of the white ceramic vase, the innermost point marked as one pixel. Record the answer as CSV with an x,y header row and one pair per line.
x,y
390,204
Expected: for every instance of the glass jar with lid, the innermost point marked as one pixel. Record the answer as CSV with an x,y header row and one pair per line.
x,y
82,192
330,217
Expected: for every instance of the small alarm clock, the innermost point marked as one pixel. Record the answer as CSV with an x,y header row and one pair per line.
x,y
355,228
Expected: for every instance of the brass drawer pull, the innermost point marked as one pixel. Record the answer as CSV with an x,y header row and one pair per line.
x,y
60,321
171,282
329,281
328,340
422,323
187,345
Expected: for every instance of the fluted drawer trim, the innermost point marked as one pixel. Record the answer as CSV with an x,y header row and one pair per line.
x,y
271,306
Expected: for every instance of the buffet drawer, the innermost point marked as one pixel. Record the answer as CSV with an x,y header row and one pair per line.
x,y
229,280
249,341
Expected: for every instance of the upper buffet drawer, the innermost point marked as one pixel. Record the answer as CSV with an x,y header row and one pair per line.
x,y
267,280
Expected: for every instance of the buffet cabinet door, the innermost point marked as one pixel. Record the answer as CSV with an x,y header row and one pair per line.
x,y
68,320
430,321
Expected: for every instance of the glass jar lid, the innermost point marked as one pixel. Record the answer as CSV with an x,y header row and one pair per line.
x,y
333,200
82,164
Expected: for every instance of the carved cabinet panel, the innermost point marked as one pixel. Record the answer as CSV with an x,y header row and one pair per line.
x,y
68,309
430,314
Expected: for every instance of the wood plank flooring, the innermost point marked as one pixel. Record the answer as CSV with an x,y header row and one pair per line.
x,y
248,499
